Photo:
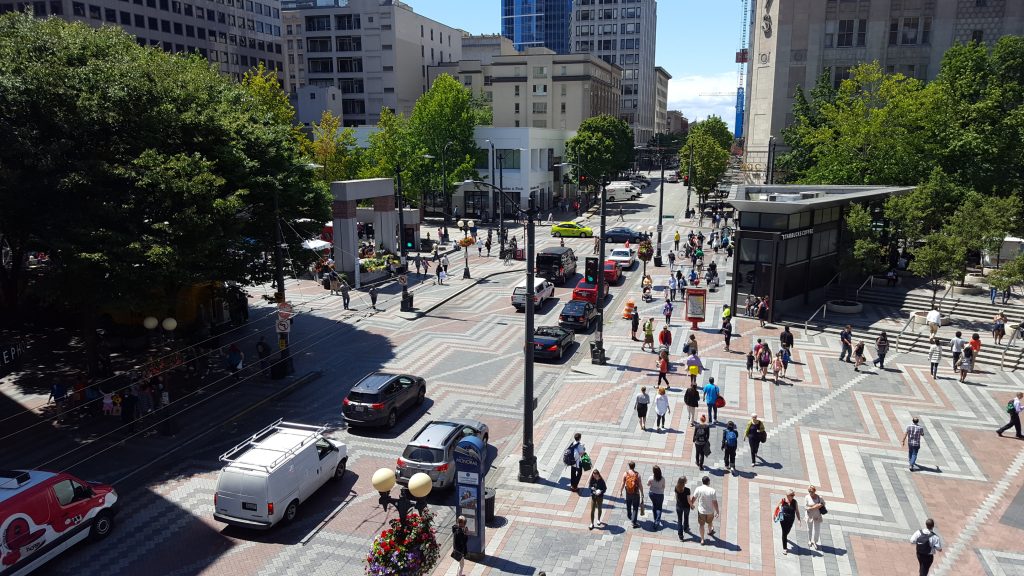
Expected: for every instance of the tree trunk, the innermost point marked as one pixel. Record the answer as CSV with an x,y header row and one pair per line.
x,y
87,323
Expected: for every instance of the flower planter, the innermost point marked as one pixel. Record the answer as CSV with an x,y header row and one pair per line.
x,y
967,289
844,307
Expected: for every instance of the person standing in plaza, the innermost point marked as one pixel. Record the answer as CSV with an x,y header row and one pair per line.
x,y
694,367
373,297
755,435
576,468
786,339
634,493
672,286
934,319
789,511
975,344
661,406
750,363
814,506
1014,409
444,263
643,401
858,356
926,543
676,241
966,363
691,398
597,244
701,441
346,298
764,360
634,320
727,332
656,490
711,392
333,281
683,504
705,500
956,347
999,327
671,261
730,441
597,487
665,339
460,541
935,357
912,440
881,349
667,311
846,343
648,335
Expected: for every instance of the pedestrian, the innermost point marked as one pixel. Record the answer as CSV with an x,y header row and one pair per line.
x,y
705,500
846,343
263,351
59,396
578,450
1014,409
881,349
346,298
373,297
682,503
561,242
789,512
664,339
777,366
787,357
927,543
444,263
966,363
934,319
786,339
648,334
672,286
691,345
677,241
730,441
634,493
663,367
912,440
459,542
439,271
755,434
597,244
727,332
750,363
762,311
642,402
701,440
814,506
858,355
235,360
656,490
956,347
487,245
671,260
935,357
993,292
418,264
332,278
661,408
634,324
667,311
680,282
975,344
711,393
129,408
691,398
694,367
764,360
999,327
597,487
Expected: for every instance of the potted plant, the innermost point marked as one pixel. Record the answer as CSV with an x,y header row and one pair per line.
x,y
467,241
404,549
645,252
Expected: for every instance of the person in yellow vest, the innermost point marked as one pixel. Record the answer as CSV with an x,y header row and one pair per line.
x,y
677,240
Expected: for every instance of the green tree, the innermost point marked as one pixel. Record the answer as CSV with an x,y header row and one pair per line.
x,y
334,148
865,252
939,258
591,154
392,146
445,113
621,137
914,215
710,162
807,118
716,128
983,222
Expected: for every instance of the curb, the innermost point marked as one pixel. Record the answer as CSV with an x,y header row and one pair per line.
x,y
301,380
452,296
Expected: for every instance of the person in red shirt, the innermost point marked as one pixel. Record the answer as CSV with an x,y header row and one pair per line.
x,y
663,368
665,338
975,344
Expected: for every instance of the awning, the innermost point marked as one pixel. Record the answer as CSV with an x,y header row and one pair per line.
x,y
315,244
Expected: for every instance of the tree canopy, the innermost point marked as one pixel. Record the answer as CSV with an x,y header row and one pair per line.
x,y
717,129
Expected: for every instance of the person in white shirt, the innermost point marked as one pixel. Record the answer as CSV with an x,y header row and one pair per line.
x,y
705,500
1018,405
935,357
661,407
956,346
813,505
934,319
927,543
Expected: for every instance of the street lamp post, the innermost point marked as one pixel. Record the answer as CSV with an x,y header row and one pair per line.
x,y
444,189
412,496
769,168
689,179
406,304
465,226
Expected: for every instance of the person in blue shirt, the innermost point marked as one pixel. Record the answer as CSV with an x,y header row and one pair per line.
x,y
710,398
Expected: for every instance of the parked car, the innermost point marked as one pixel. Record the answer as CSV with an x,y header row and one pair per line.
x,y
621,234
571,229
432,450
626,257
269,475
577,314
552,341
542,290
42,514
672,177
587,292
379,398
612,271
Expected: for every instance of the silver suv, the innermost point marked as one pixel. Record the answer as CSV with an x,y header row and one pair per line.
x,y
431,450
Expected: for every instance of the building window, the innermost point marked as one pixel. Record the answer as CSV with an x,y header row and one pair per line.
x,y
910,71
564,89
140,21
516,109
517,90
540,89
894,31
126,18
540,107
926,30
386,47
318,45
178,28
909,31
840,73
165,26
981,3
348,43
510,158
563,107
176,7
977,36
319,65
318,23
540,71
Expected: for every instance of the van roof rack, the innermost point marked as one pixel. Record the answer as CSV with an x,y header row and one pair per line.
x,y
257,441
11,479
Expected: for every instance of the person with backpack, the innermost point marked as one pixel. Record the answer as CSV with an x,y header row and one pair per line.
x,y
730,440
755,434
711,393
727,332
912,440
682,505
764,360
786,513
692,399
787,357
926,543
1013,408
634,494
643,401
597,487
701,440
571,457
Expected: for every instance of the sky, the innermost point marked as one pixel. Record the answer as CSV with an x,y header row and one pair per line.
x,y
696,42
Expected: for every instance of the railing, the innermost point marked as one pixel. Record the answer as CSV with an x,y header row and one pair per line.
x,y
808,321
911,320
949,289
869,280
1013,338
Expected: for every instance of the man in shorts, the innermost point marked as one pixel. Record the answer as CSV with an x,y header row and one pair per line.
x,y
705,500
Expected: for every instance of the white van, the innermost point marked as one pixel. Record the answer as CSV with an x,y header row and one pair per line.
x,y
270,474
542,290
619,190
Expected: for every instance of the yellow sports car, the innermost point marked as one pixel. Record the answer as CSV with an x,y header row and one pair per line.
x,y
571,229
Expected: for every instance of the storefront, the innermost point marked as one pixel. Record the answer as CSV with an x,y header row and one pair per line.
x,y
788,240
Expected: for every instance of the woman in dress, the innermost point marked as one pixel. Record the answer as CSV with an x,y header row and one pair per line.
x,y
999,327
643,401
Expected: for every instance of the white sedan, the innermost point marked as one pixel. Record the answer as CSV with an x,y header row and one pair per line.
x,y
624,257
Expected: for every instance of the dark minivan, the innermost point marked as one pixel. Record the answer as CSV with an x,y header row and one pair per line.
x,y
556,264
380,397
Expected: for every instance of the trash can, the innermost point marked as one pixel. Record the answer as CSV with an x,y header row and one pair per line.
x,y
657,261
407,303
520,255
488,505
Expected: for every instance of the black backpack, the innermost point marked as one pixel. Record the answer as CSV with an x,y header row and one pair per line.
x,y
569,456
924,543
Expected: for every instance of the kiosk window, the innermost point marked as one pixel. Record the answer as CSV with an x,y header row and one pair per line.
x,y
774,221
796,249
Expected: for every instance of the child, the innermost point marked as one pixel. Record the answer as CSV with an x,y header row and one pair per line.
x,y
108,404
858,356
750,363
786,357
777,366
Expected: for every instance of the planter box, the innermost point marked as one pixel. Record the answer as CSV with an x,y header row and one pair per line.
x,y
968,289
844,307
370,277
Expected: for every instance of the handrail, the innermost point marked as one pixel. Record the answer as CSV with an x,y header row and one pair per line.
x,y
949,288
871,279
911,320
819,309
1013,337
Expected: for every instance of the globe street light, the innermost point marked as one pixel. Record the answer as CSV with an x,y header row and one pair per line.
x,y
465,226
412,496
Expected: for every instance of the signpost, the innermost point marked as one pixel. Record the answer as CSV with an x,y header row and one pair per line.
x,y
284,366
470,461
696,306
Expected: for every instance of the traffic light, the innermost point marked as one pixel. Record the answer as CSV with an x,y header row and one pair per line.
x,y
591,270
409,244
583,180
686,179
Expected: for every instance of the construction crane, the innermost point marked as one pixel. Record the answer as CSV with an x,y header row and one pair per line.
x,y
742,57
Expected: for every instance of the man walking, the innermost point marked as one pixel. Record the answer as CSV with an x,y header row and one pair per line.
x,y
711,399
846,342
444,263
927,543
912,439
633,490
706,502
677,241
576,468
1014,409
934,319
263,351
956,347
634,319
373,297
345,297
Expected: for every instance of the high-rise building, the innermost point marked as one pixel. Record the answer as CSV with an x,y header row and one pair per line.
x,y
376,52
234,34
661,78
623,34
792,42
537,23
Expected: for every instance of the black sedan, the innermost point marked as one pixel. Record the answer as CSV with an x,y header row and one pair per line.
x,y
552,341
623,234
577,314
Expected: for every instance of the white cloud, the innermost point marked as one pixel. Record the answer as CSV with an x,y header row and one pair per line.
x,y
685,95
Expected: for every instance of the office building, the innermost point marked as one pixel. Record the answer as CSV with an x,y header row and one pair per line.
x,y
376,52
540,89
661,78
485,47
537,24
677,123
234,34
623,34
792,42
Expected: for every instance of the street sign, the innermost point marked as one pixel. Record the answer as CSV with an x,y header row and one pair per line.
x,y
284,326
285,311
403,280
659,227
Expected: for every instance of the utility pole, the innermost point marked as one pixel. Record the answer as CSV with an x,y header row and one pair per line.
x,y
661,204
278,256
528,464
501,204
597,353
406,305
689,179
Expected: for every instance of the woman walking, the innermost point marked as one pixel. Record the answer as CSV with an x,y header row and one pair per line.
x,y
694,367
858,356
656,490
814,505
754,433
682,506
999,327
788,512
642,403
764,359
661,408
460,541
692,399
935,357
701,440
966,363
975,344
648,334
881,349
597,487
663,368
667,311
